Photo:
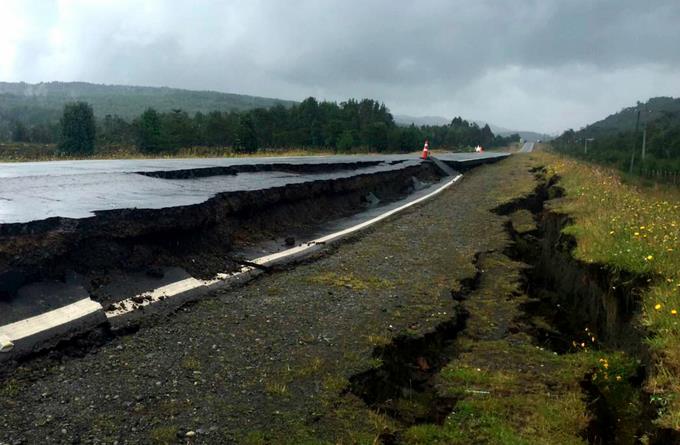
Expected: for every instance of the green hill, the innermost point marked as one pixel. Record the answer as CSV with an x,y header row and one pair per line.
x,y
614,141
654,109
46,100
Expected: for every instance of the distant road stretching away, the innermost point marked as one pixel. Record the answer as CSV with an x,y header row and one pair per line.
x,y
528,147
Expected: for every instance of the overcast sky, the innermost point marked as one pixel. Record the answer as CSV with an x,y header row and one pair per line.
x,y
543,65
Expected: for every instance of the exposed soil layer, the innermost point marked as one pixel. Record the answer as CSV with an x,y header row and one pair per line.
x,y
251,168
578,295
198,238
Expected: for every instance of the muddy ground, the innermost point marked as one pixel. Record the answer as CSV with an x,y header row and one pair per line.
x,y
421,330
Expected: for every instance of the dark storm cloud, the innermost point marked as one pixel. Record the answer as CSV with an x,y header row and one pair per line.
x,y
542,65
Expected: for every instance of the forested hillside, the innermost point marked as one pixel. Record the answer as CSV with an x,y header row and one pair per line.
x,y
366,125
643,139
625,120
40,105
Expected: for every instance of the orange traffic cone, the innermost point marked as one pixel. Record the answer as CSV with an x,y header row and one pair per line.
x,y
426,151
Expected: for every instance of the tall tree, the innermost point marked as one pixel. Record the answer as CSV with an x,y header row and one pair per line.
x,y
247,138
486,136
149,137
345,141
177,129
20,132
376,136
78,129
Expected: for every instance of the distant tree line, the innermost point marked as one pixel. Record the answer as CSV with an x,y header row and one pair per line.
x,y
365,124
623,149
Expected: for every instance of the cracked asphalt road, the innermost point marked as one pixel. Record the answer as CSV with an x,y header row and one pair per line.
x,y
269,362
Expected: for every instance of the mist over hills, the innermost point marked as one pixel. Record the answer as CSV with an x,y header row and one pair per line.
x,y
43,102
642,139
654,109
127,102
402,119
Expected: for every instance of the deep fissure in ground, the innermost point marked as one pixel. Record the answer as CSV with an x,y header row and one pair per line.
x,y
576,304
403,386
586,306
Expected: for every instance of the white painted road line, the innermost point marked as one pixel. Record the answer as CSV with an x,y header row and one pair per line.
x,y
49,320
190,284
6,344
263,261
168,291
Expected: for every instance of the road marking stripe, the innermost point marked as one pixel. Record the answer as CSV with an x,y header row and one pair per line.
x,y
179,287
6,344
334,236
48,320
168,291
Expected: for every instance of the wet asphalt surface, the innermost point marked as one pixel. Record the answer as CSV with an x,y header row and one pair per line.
x,y
61,168
33,191
528,147
270,360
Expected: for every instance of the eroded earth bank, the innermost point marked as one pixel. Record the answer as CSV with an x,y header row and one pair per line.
x,y
462,320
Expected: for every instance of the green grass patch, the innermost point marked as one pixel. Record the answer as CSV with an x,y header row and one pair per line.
x,y
629,227
164,435
29,152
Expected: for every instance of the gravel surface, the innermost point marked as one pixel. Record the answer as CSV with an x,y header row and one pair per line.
x,y
270,362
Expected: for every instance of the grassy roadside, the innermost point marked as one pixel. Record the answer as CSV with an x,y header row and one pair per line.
x,y
28,152
508,385
42,152
634,229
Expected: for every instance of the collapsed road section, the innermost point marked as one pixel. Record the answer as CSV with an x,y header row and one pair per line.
x,y
78,240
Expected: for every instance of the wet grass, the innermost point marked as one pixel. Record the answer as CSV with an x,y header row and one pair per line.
x,y
10,388
512,390
633,228
165,435
509,389
26,152
522,221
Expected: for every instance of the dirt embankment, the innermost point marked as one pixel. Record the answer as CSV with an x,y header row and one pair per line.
x,y
198,238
